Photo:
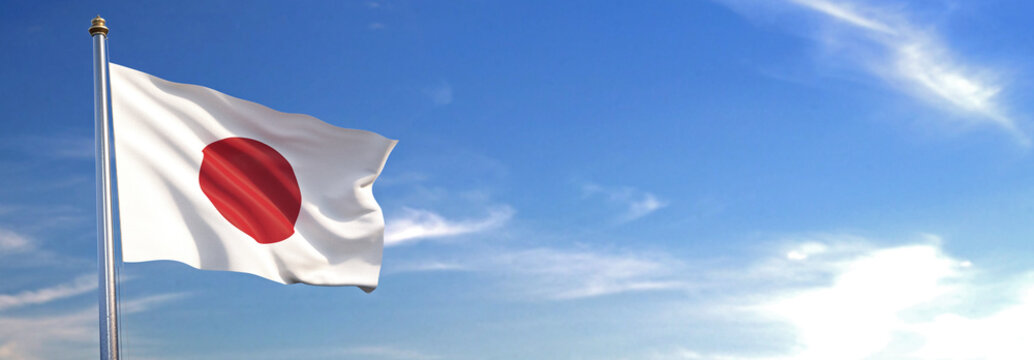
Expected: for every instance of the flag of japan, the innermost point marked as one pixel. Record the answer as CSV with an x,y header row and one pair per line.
x,y
220,183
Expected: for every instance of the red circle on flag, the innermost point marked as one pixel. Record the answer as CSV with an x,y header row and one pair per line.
x,y
252,186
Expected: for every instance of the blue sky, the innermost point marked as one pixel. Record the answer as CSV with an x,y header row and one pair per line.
x,y
731,179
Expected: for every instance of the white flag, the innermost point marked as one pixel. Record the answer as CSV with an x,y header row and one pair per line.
x,y
220,183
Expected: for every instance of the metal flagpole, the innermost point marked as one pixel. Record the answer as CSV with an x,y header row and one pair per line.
x,y
105,242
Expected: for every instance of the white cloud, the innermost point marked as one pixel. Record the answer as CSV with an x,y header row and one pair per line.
x,y
636,203
555,274
647,204
80,285
846,13
805,250
428,266
18,251
1004,334
910,56
11,242
62,336
415,225
844,300
858,315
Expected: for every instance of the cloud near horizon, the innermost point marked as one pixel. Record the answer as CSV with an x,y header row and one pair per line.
x,y
63,336
845,298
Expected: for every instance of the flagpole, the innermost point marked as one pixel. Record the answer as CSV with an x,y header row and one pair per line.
x,y
108,314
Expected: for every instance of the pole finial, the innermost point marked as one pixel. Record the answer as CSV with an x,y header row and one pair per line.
x,y
98,27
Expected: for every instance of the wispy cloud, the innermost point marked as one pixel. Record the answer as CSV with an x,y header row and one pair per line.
x,y
432,265
886,43
415,225
62,336
20,251
80,285
12,242
636,203
847,13
557,274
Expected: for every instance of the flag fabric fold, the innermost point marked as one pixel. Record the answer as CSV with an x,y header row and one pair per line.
x,y
220,183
